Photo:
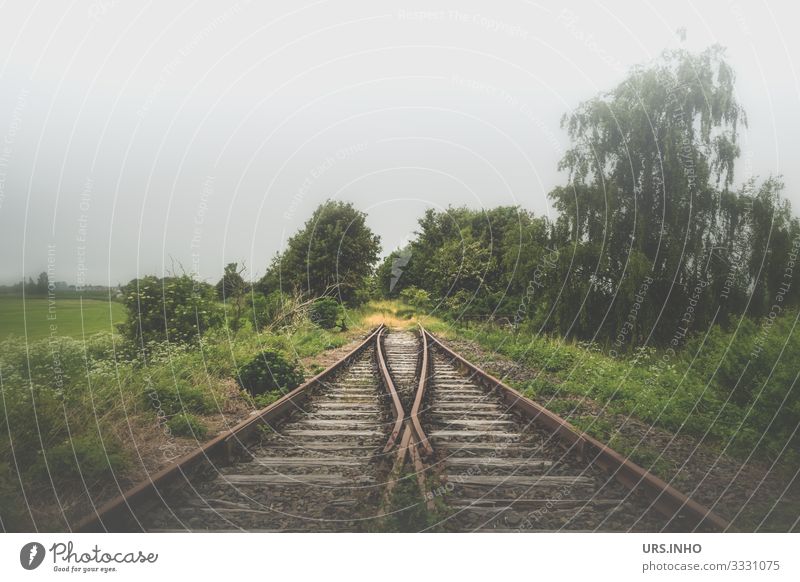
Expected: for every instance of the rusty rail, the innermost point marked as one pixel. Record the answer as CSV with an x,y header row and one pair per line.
x,y
666,499
120,509
421,437
413,436
397,407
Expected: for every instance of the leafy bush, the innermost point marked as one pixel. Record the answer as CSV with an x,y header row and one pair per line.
x,y
184,424
170,396
269,310
416,297
325,312
268,371
174,309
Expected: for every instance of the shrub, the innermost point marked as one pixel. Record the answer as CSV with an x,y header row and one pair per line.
x,y
268,371
175,395
176,309
416,297
325,312
188,425
267,310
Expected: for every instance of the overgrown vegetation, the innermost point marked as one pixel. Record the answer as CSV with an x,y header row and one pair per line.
x,y
177,309
270,371
715,389
651,242
660,289
71,410
333,254
325,312
188,425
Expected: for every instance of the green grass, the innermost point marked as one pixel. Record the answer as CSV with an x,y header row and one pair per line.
x,y
714,388
72,404
70,317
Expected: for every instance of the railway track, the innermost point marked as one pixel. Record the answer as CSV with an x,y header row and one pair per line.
x,y
502,472
328,455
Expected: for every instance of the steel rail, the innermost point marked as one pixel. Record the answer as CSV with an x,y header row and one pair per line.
x,y
422,439
666,499
397,407
119,510
413,436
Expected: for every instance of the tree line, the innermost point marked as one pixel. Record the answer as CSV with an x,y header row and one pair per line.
x,y
651,241
327,264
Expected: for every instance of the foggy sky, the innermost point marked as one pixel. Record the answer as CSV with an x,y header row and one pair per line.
x,y
140,138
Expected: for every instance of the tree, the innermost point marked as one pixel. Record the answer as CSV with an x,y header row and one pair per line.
x,y
232,284
231,290
649,165
473,259
334,253
42,283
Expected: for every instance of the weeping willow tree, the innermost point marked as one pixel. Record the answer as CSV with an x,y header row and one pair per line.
x,y
648,207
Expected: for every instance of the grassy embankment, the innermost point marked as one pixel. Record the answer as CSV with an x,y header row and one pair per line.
x,y
720,414
78,415
717,388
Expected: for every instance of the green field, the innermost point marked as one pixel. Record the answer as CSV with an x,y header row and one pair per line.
x,y
70,317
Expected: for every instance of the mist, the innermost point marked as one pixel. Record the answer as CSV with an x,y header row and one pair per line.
x,y
153,139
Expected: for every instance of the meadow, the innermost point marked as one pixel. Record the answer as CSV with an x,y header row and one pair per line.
x,y
36,317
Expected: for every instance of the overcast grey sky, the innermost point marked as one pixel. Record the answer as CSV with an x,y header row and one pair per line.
x,y
137,136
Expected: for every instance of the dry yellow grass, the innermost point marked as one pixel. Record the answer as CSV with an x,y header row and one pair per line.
x,y
386,312
390,320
